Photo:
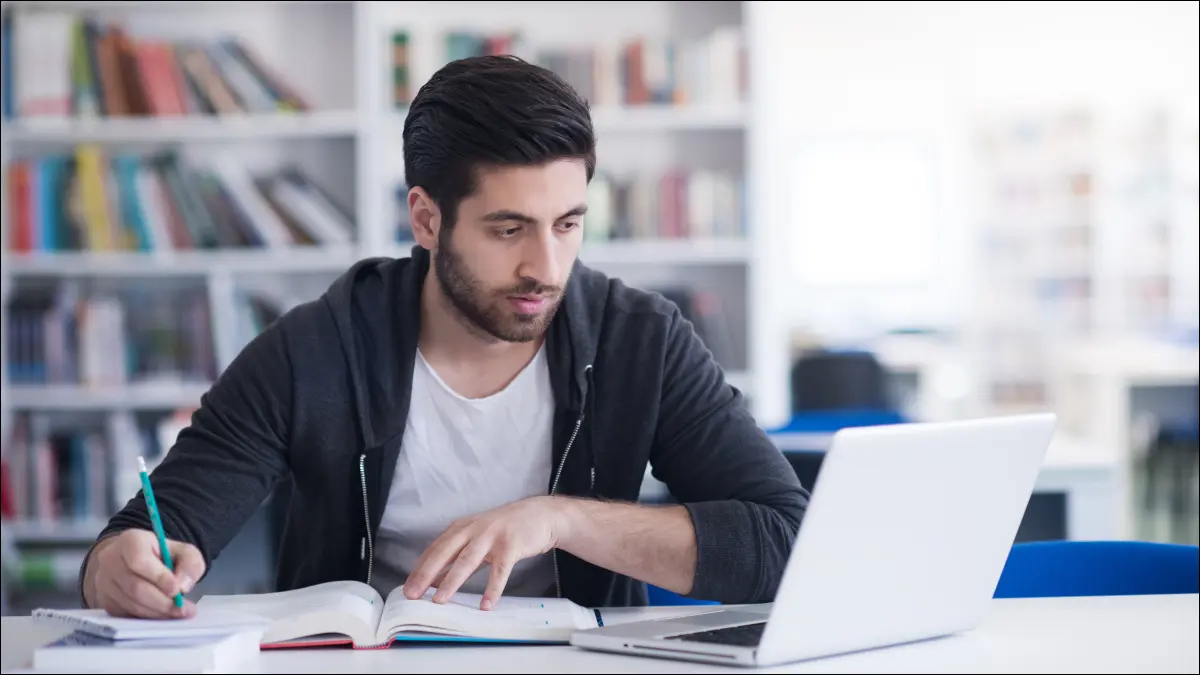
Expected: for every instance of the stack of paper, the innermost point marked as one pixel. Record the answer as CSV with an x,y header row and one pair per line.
x,y
211,641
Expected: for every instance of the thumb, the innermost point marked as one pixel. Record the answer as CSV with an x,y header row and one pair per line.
x,y
189,564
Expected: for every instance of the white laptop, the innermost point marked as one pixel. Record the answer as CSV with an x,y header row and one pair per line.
x,y
904,539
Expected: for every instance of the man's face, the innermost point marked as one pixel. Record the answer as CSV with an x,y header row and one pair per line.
x,y
505,263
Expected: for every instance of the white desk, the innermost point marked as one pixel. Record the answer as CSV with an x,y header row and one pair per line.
x,y
1122,634
1103,385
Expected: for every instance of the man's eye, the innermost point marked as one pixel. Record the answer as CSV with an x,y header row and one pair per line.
x,y
509,232
569,225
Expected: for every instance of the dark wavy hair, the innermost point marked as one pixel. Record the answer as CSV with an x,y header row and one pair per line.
x,y
491,111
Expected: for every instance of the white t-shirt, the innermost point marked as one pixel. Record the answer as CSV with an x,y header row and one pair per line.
x,y
460,457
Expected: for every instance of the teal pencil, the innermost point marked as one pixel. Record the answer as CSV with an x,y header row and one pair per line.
x,y
156,521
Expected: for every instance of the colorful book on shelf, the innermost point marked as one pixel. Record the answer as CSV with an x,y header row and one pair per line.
x,y
96,200
66,64
70,480
351,613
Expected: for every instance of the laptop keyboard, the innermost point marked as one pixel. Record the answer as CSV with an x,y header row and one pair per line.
x,y
748,635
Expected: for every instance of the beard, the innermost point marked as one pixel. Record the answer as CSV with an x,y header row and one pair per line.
x,y
487,310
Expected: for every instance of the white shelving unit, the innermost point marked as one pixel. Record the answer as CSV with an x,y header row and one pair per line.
x,y
130,397
1091,292
339,55
177,130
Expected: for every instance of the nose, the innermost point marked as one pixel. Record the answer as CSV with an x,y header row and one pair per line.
x,y
541,261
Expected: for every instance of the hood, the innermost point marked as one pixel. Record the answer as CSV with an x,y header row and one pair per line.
x,y
376,307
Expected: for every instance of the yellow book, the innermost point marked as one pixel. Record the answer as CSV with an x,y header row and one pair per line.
x,y
93,183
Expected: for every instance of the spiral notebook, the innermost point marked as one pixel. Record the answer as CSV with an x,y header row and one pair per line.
x,y
206,622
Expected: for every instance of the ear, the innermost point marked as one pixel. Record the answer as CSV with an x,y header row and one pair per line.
x,y
425,216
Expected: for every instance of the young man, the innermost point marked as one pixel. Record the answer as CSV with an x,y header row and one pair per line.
x,y
477,417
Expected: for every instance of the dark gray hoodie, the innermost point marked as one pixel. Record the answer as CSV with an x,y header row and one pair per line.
x,y
322,396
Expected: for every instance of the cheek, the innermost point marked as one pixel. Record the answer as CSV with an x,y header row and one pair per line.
x,y
492,266
566,258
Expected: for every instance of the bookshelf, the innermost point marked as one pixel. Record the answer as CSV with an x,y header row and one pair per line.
x,y
341,150
1088,300
155,131
1087,232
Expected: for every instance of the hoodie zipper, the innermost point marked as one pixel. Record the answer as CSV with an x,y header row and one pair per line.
x,y
366,546
554,486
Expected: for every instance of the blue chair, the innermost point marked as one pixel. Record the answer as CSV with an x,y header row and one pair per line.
x,y
829,421
661,597
1075,568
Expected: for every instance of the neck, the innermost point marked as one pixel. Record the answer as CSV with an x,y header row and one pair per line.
x,y
448,336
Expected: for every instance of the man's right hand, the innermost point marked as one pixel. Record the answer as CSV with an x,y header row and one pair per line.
x,y
126,576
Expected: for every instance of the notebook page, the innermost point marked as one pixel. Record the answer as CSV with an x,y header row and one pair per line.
x,y
99,622
81,639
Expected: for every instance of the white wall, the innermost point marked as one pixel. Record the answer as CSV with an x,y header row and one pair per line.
x,y
919,71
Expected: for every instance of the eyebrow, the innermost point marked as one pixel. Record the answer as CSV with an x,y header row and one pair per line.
x,y
506,215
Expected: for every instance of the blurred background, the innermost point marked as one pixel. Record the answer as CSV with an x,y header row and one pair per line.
x,y
872,212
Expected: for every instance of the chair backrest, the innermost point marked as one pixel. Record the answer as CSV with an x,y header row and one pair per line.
x,y
835,380
661,597
1075,568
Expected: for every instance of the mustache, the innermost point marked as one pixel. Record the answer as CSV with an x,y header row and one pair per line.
x,y
532,287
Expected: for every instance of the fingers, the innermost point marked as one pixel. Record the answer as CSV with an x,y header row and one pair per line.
x,y
432,564
119,606
468,561
189,564
128,578
441,578
145,562
144,599
497,580
114,601
122,605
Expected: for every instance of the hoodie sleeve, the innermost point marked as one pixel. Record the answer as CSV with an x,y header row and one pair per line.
x,y
742,494
228,459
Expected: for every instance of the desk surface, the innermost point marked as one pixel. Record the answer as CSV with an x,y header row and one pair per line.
x,y
1112,634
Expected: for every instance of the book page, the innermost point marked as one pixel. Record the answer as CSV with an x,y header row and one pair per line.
x,y
350,608
512,618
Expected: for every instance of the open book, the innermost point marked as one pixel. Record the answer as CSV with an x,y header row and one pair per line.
x,y
351,612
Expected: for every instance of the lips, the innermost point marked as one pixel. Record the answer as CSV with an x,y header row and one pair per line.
x,y
527,304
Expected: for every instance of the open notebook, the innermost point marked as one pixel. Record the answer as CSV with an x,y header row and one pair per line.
x,y
351,612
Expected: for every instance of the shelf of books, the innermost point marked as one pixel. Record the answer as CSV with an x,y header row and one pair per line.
x,y
178,174
1088,221
106,212
1088,299
154,156
669,98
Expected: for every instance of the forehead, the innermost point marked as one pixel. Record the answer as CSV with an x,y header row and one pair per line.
x,y
561,184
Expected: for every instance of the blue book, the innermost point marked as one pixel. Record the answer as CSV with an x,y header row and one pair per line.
x,y
8,104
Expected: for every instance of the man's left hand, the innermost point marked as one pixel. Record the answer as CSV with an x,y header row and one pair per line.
x,y
500,537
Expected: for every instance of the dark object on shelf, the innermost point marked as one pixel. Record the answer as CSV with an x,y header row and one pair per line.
x,y
838,380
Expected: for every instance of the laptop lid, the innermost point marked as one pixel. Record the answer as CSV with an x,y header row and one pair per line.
x,y
906,535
